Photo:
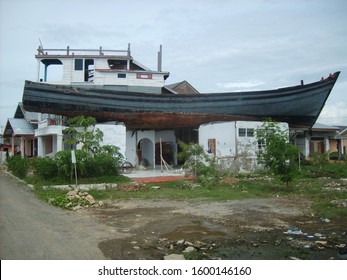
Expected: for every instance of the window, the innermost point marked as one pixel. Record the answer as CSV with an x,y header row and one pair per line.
x,y
250,132
122,75
78,64
261,144
246,132
117,64
242,132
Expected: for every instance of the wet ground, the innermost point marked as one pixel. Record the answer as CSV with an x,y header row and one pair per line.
x,y
268,228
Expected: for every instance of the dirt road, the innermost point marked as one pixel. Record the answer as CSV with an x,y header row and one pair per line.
x,y
32,229
153,229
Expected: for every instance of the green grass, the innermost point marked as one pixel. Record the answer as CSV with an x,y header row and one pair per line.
x,y
39,182
306,186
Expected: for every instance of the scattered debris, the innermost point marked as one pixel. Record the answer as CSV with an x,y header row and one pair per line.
x,y
189,249
340,203
174,257
294,231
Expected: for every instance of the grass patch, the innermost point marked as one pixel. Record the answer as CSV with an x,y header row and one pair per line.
x,y
319,190
39,182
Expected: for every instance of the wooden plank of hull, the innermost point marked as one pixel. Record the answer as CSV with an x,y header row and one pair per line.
x,y
299,105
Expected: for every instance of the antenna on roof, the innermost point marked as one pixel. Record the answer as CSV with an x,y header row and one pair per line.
x,y
40,49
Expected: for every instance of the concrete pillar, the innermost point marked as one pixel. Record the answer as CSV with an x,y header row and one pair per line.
x,y
13,151
60,144
40,147
22,146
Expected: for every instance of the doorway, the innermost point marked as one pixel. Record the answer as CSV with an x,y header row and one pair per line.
x,y
145,152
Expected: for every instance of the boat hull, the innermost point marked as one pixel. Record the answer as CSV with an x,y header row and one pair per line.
x,y
298,105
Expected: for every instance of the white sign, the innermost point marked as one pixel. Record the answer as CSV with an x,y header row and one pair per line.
x,y
73,156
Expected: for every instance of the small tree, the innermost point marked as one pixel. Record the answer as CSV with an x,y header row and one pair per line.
x,y
196,161
79,131
277,153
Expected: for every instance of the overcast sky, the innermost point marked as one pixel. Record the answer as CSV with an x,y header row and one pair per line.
x,y
224,45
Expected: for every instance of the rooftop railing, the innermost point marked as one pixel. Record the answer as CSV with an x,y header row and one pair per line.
x,y
69,51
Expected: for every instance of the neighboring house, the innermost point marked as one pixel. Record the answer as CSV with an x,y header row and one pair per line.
x,y
49,135
320,139
19,135
338,144
233,144
181,88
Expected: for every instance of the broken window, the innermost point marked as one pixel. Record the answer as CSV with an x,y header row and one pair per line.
x,y
117,64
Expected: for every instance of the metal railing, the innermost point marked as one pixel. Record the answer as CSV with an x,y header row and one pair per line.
x,y
69,51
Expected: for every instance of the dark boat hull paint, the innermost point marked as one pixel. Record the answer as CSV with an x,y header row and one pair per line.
x,y
298,105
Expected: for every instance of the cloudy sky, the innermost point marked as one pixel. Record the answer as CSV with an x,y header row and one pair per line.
x,y
224,45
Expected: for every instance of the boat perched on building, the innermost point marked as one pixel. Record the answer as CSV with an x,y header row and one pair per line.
x,y
113,87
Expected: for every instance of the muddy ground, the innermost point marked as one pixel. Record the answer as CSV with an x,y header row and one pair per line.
x,y
266,228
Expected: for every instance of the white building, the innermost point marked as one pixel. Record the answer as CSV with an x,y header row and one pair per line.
x,y
234,144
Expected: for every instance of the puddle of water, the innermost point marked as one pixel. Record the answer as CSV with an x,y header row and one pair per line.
x,y
196,230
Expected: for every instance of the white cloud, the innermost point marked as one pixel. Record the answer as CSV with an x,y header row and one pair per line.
x,y
241,85
334,114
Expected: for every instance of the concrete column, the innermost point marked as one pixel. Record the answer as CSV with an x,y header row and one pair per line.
x,y
13,151
307,147
327,145
40,147
60,145
22,145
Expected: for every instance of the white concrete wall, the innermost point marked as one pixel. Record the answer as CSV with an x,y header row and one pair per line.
x,y
234,153
224,133
114,134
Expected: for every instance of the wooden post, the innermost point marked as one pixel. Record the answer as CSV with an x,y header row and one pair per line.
x,y
161,157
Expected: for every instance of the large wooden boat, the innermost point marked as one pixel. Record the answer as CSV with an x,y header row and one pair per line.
x,y
297,105
118,88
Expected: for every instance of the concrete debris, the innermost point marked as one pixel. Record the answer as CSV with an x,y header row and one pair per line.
x,y
294,258
89,198
174,257
340,203
189,249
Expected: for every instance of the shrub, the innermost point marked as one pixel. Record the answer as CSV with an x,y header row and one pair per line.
x,y
101,165
45,168
199,163
278,154
65,166
18,166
